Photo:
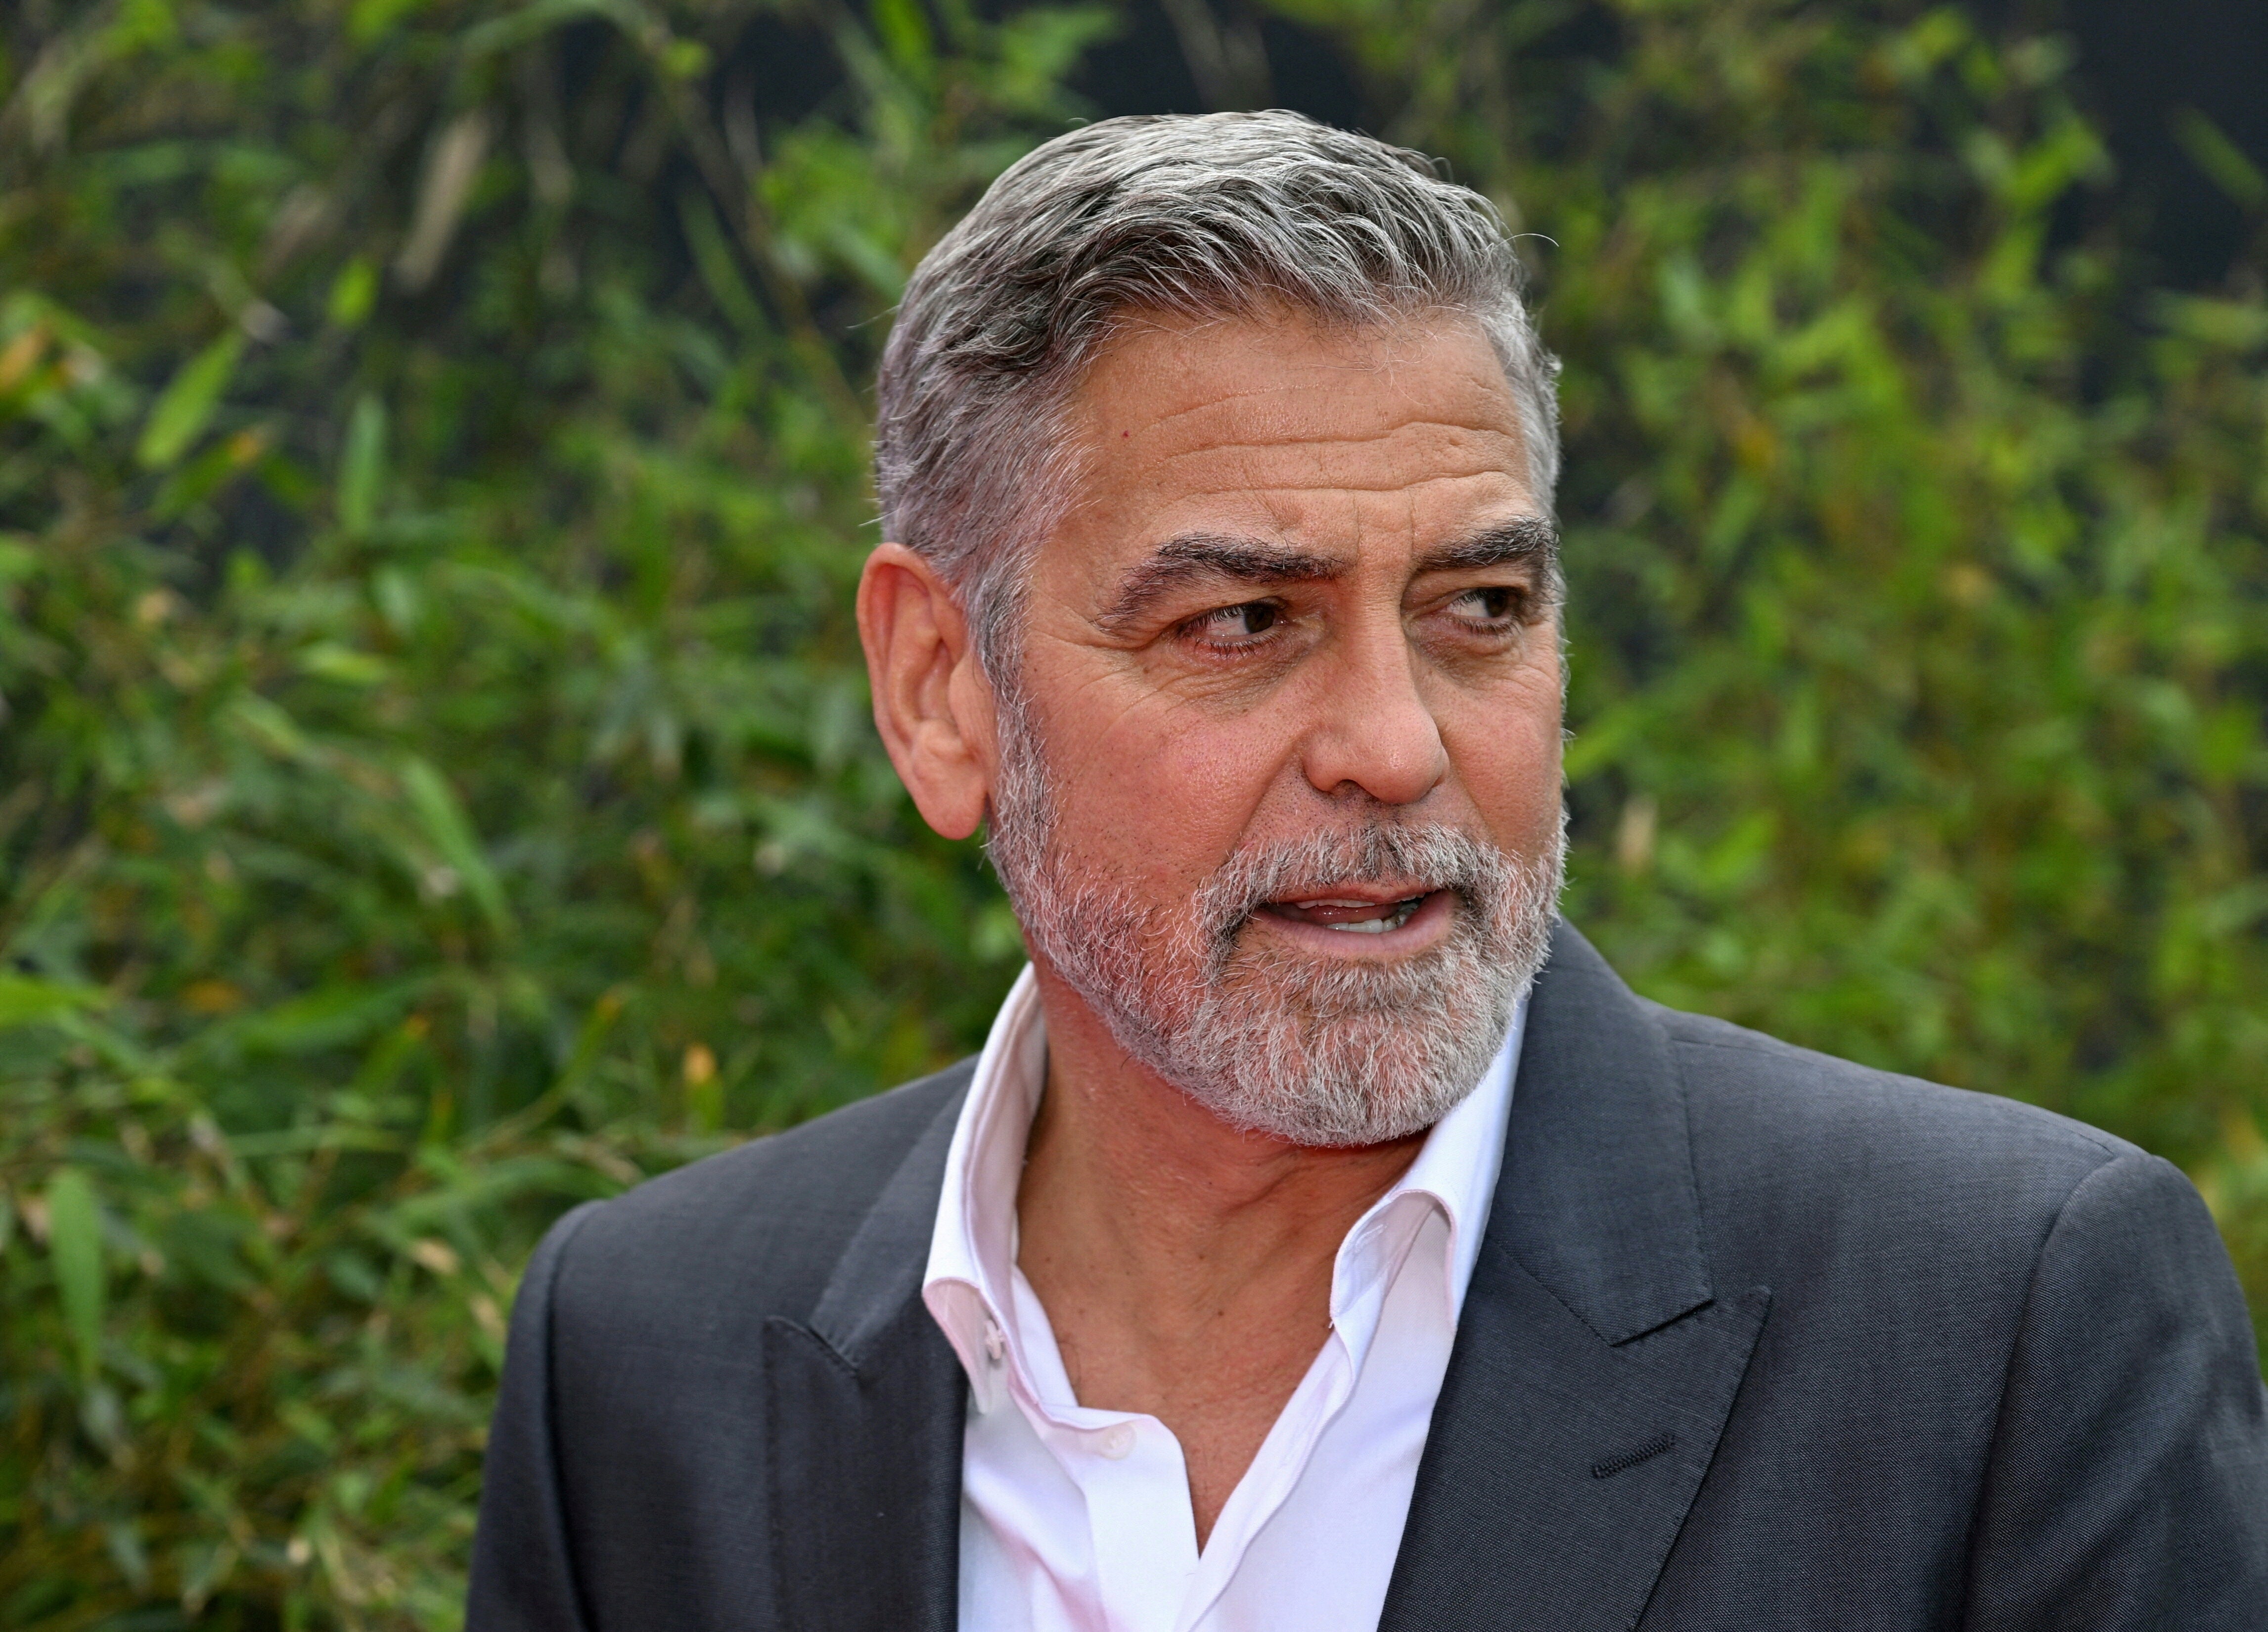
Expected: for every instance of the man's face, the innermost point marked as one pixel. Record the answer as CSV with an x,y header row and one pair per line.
x,y
1281,791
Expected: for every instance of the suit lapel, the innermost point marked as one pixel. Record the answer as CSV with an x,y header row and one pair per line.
x,y
1594,1362
863,1422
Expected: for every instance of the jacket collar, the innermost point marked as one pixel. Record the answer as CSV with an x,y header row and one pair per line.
x,y
865,1405
880,1271
1596,1200
1594,1362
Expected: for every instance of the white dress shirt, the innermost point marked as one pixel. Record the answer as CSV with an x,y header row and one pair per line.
x,y
1078,1520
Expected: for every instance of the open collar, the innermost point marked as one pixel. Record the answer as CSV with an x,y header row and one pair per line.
x,y
968,1281
1595,1364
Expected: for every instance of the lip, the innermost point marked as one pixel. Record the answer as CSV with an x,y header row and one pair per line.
x,y
1427,925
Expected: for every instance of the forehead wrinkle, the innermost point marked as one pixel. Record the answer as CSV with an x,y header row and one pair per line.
x,y
1336,486
1293,437
1479,459
1231,469
1213,403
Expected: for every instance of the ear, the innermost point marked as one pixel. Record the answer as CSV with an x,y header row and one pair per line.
x,y
932,704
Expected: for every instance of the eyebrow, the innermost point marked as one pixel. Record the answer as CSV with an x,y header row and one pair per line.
x,y
1530,538
1196,557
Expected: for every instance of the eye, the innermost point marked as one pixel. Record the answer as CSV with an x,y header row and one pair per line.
x,y
1236,625
1492,603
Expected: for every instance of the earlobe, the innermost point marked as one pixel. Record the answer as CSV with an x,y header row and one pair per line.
x,y
920,662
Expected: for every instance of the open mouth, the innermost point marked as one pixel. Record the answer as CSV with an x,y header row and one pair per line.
x,y
1350,914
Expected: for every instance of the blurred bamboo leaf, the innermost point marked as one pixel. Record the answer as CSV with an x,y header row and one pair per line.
x,y
179,414
451,835
75,1246
362,465
2221,159
353,293
27,1001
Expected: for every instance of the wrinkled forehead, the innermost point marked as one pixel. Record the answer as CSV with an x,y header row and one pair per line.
x,y
1329,437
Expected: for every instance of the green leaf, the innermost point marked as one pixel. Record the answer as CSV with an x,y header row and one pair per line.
x,y
2240,325
361,466
353,292
329,1018
2210,149
330,660
369,19
713,258
186,403
905,32
75,1244
17,559
24,1002
447,829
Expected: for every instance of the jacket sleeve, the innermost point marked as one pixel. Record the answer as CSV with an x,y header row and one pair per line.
x,y
523,1578
2128,1487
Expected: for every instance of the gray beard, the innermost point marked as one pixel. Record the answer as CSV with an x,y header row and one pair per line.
x,y
1315,1053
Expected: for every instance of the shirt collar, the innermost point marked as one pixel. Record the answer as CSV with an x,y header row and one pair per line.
x,y
972,1250
968,1282
1455,1174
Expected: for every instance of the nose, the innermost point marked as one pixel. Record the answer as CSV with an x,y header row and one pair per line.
x,y
1374,732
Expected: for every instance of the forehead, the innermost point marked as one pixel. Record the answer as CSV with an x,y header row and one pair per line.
x,y
1328,437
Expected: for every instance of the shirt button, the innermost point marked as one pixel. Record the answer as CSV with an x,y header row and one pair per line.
x,y
1116,1442
995,1344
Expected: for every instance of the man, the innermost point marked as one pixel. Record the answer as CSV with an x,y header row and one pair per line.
x,y
1325,1237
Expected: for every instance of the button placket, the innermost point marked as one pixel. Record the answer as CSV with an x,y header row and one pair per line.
x,y
1137,1488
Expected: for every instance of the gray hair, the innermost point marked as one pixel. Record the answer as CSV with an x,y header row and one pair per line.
x,y
1199,217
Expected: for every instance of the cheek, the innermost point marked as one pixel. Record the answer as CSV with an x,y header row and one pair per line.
x,y
1506,754
1166,791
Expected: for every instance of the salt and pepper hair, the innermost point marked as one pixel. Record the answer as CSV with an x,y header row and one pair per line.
x,y
1220,216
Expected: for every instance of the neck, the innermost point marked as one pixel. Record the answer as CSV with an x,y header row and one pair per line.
x,y
1146,1214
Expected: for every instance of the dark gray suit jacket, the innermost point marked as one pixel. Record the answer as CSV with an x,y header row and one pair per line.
x,y
1757,1338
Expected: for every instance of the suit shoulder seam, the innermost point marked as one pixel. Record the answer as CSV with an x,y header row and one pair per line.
x,y
2111,1147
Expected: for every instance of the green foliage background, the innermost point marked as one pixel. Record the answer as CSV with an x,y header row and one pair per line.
x,y
435,784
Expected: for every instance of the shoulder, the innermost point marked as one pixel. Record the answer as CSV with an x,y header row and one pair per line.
x,y
1821,1163
1746,1080
758,1228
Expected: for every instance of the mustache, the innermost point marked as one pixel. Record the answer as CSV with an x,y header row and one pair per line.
x,y
1433,856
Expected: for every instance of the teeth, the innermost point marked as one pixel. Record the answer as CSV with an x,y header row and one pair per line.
x,y
1395,916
